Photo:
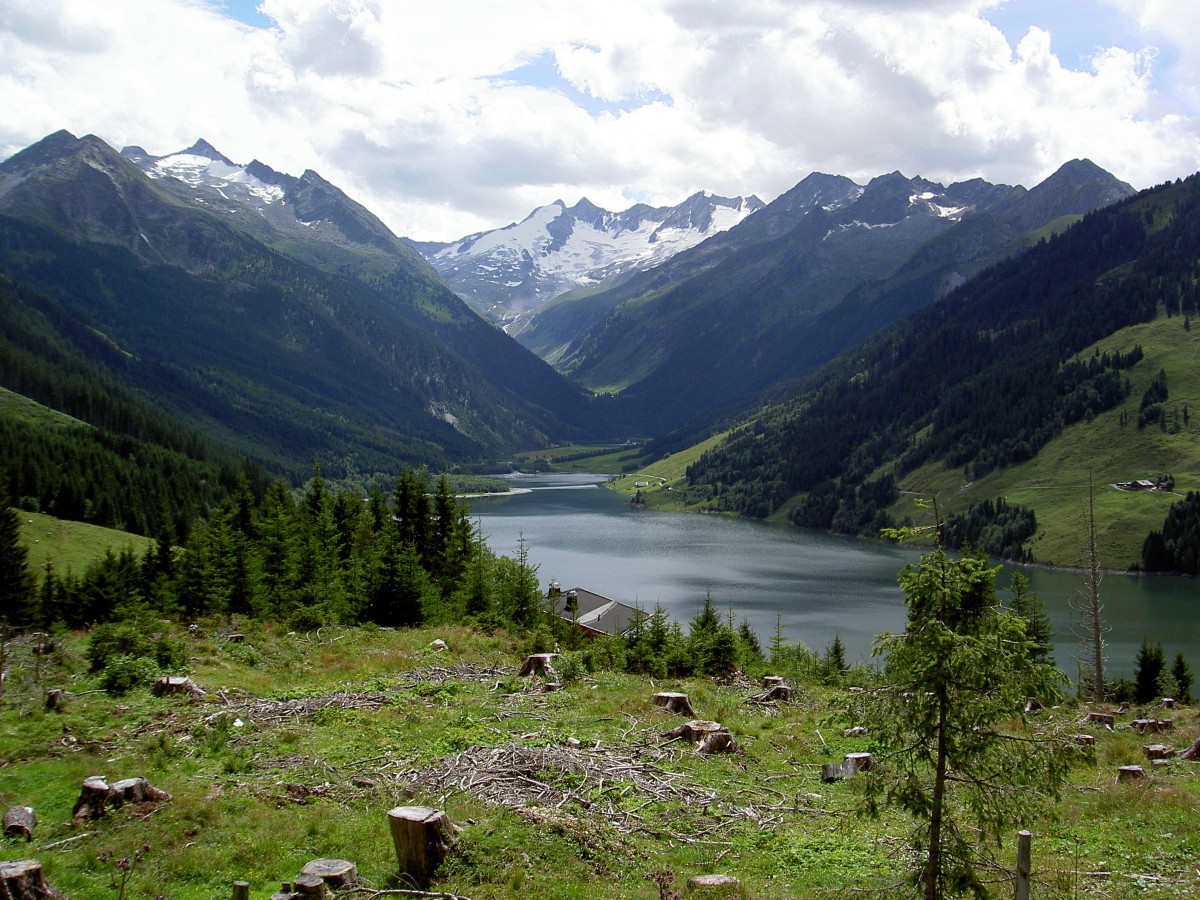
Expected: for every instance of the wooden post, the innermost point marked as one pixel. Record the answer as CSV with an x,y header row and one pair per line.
x,y
1024,863
241,890
422,837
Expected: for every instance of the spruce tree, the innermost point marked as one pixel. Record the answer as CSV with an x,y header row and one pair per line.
x,y
953,683
1182,674
1147,670
16,578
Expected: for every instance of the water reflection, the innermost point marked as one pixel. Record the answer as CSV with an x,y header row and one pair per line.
x,y
816,585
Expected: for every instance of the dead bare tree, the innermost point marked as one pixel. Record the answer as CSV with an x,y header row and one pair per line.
x,y
1087,602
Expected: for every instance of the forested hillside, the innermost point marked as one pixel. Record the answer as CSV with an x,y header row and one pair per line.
x,y
292,353
979,381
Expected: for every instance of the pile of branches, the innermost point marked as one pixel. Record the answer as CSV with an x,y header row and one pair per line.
x,y
460,672
600,781
260,710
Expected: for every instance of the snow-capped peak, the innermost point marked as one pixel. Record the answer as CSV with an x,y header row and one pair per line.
x,y
203,167
518,268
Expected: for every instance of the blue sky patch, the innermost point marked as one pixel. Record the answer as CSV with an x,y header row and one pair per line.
x,y
542,72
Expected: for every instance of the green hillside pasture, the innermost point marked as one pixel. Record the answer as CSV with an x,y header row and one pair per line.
x,y
20,408
665,476
70,546
1055,483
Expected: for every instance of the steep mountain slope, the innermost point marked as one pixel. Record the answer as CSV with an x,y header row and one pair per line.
x,y
509,273
813,274
292,342
976,383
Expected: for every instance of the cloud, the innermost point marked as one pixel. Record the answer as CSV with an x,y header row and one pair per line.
x,y
449,118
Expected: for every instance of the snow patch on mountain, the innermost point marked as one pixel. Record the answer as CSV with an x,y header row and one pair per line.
x,y
510,272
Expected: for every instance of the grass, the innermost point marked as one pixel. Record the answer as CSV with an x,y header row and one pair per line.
x,y
70,546
254,797
663,477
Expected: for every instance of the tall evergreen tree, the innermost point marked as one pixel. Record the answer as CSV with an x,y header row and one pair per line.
x,y
1147,671
1182,673
16,578
952,682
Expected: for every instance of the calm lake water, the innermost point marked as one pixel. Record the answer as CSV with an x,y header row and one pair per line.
x,y
818,585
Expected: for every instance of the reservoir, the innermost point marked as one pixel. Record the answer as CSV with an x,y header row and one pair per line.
x,y
814,585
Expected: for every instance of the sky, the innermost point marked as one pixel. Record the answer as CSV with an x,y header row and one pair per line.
x,y
447,118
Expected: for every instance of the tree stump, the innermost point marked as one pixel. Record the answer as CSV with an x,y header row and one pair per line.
x,y
241,890
1157,751
538,664
93,799
1130,773
336,873
23,880
831,772
1084,740
717,742
173,684
770,681
780,693
309,886
1144,726
1168,702
422,837
551,687
1033,705
858,762
693,731
19,821
674,702
856,731
97,795
1192,752
285,892
55,698
1101,718
715,885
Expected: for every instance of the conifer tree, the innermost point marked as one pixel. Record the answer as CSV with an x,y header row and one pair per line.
x,y
952,683
1182,674
16,578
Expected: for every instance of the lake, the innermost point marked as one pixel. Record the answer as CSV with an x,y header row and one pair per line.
x,y
815,585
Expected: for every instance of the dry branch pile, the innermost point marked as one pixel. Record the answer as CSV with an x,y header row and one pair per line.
x,y
259,710
595,780
460,672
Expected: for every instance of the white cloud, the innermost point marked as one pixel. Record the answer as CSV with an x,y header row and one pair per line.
x,y
416,111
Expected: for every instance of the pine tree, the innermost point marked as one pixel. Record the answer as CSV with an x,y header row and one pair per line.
x,y
1029,606
16,578
952,683
1182,673
1147,670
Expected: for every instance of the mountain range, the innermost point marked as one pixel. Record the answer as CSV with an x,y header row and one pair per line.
x,y
809,276
509,273
272,312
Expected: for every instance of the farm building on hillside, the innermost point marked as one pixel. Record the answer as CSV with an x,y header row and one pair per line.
x,y
592,612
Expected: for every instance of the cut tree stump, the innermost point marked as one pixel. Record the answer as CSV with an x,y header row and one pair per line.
x,y
1084,740
1145,726
19,821
1101,718
1192,752
97,795
717,742
55,698
23,880
173,684
336,873
1157,751
538,664
715,885
1168,702
856,731
694,731
241,890
422,837
1130,773
858,762
674,702
309,886
770,681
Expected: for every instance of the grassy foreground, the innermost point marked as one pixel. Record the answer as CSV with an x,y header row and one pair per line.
x,y
305,741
